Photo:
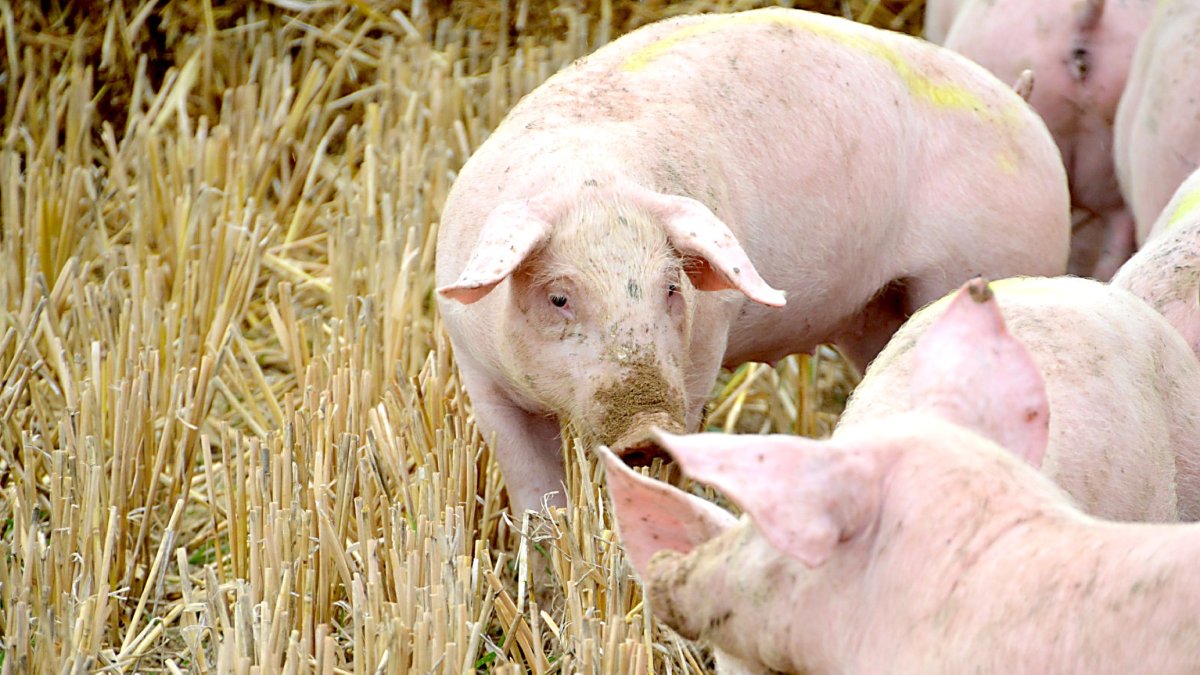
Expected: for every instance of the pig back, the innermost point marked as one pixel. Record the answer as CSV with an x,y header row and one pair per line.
x,y
1123,389
843,157
1157,131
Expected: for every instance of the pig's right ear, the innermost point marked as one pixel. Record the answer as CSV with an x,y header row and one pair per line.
x,y
718,260
512,232
653,516
970,370
805,496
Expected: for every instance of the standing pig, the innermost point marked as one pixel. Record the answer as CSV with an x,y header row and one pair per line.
x,y
1123,388
1158,121
913,543
604,252
1080,53
1165,273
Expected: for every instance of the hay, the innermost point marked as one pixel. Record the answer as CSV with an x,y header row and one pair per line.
x,y
231,434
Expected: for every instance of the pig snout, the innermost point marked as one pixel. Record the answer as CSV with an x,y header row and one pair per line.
x,y
668,578
630,408
636,446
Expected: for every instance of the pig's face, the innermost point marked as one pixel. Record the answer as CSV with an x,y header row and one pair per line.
x,y
755,589
596,322
599,325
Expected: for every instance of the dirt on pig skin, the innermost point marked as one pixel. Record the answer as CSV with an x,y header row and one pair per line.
x,y
633,405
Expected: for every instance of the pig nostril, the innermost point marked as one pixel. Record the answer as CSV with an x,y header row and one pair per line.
x,y
642,454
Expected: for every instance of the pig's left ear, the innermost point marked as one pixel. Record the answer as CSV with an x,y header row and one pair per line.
x,y
970,370
653,516
512,231
805,496
720,263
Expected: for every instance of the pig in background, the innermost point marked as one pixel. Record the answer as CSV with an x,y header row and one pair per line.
x,y
1165,272
1080,54
634,222
1123,388
911,543
1158,121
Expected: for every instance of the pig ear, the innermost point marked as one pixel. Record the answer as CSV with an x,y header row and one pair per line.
x,y
970,370
805,496
1024,84
512,232
653,516
720,262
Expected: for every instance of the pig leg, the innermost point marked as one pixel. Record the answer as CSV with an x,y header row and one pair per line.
x,y
1119,243
527,446
1087,242
868,332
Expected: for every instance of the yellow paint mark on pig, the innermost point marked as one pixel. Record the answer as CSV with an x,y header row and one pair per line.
x,y
1189,204
1007,162
942,95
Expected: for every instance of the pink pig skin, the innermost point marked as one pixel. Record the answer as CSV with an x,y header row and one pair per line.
x,y
1157,125
1165,273
939,16
1080,54
862,172
949,555
913,542
1123,390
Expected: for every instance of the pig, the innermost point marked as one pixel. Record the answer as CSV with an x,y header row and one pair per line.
x,y
1080,55
1165,272
609,247
1123,388
939,16
921,542
1157,142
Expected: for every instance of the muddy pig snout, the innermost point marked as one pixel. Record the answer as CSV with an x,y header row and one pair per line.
x,y
644,398
636,447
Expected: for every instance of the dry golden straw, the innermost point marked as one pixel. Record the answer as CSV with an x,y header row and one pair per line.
x,y
232,438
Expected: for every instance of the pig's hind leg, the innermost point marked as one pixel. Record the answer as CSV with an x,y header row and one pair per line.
x,y
1120,234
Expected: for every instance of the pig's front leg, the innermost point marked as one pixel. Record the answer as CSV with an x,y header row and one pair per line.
x,y
866,334
526,445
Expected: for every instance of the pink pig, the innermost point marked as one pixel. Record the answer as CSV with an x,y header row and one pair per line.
x,y
1158,122
1165,273
1080,53
912,543
1123,388
609,247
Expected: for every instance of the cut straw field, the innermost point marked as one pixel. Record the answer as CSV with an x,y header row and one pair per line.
x,y
231,434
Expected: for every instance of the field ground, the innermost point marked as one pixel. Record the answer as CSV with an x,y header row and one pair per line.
x,y
231,434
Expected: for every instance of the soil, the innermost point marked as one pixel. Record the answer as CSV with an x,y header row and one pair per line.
x,y
633,405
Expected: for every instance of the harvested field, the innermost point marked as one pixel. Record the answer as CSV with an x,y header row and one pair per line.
x,y
231,434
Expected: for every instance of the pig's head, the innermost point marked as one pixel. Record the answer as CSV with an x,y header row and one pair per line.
x,y
756,590
596,318
788,588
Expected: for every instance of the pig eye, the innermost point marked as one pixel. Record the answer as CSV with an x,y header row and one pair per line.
x,y
558,300
672,289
